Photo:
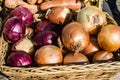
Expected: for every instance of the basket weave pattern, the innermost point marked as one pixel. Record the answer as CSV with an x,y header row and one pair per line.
x,y
103,71
3,49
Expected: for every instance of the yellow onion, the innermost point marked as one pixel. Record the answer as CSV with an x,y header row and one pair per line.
x,y
75,58
109,38
75,37
59,15
92,18
92,48
103,56
48,55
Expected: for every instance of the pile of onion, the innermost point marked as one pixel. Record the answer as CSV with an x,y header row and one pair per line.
x,y
16,23
45,34
75,39
24,14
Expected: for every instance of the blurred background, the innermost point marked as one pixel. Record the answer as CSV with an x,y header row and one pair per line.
x,y
114,10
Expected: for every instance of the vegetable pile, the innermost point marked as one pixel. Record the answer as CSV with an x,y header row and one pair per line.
x,y
69,32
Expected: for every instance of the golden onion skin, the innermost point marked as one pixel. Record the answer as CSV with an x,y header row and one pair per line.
x,y
109,38
59,15
75,37
103,56
74,58
92,48
48,55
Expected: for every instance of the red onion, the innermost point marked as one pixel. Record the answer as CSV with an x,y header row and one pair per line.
x,y
13,29
24,14
19,58
45,38
44,25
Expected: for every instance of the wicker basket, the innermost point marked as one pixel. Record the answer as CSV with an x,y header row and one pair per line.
x,y
102,71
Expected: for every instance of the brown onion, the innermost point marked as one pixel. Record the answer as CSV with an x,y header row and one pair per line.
x,y
92,48
92,18
75,58
59,15
103,56
109,38
75,37
48,55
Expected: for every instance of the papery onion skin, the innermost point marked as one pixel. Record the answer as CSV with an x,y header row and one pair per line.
x,y
109,38
74,58
75,37
19,58
29,33
92,48
59,15
103,56
45,38
48,55
44,25
13,29
24,14
24,44
92,19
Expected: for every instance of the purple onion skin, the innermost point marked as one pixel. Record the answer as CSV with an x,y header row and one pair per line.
x,y
19,59
13,29
24,14
44,25
45,38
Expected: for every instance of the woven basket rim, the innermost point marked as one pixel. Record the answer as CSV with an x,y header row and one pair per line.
x,y
103,71
66,68
72,65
